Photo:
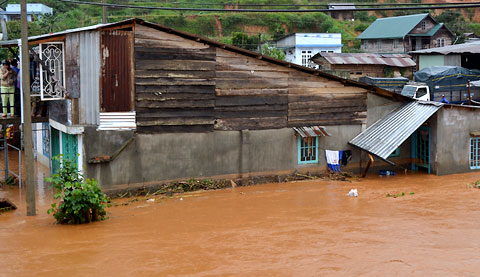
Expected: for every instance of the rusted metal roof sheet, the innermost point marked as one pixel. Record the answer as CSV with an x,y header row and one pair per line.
x,y
311,131
397,60
116,50
388,133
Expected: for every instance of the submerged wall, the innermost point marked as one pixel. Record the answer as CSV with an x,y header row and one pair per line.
x,y
451,133
153,158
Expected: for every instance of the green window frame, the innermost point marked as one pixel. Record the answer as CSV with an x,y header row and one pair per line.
x,y
474,157
307,150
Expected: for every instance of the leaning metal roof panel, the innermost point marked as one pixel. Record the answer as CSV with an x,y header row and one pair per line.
x,y
387,134
312,131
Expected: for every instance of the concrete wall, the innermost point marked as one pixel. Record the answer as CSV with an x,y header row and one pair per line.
x,y
451,128
154,158
430,60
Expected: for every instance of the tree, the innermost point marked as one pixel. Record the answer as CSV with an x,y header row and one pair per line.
x,y
245,41
269,50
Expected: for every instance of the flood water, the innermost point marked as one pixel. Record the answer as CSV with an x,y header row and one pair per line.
x,y
305,228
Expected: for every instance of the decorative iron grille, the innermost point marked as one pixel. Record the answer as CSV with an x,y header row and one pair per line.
x,y
52,71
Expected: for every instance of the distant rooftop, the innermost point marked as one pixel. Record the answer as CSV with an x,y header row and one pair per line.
x,y
392,27
464,48
341,6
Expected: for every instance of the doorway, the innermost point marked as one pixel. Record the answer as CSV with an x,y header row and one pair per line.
x,y
421,149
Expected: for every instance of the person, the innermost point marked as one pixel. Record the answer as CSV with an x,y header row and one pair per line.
x,y
444,100
15,68
7,87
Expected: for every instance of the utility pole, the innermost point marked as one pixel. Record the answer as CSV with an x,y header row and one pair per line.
x,y
104,17
27,119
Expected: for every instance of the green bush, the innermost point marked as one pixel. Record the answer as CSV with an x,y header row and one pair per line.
x,y
82,201
269,50
361,27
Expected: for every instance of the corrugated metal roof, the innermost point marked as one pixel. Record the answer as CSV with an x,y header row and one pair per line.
x,y
465,48
311,131
388,133
81,29
398,60
392,27
90,65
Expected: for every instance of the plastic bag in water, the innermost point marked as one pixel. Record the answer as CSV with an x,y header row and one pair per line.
x,y
353,193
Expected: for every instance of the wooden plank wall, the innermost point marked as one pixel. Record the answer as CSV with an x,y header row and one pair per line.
x,y
315,100
183,85
250,93
174,83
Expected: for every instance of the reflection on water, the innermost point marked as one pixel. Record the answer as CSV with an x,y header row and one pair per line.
x,y
306,228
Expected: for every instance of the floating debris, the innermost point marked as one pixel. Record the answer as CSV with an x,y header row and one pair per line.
x,y
353,193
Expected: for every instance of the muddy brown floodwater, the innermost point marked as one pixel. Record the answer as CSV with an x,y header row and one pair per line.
x,y
305,228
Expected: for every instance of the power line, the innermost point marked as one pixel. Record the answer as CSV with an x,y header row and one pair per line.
x,y
271,10
314,5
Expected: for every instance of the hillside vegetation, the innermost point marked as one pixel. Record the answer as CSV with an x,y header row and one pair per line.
x,y
242,29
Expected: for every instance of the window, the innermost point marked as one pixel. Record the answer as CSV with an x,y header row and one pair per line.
x,y
424,25
474,153
306,55
421,92
395,43
307,150
379,44
364,44
440,42
52,71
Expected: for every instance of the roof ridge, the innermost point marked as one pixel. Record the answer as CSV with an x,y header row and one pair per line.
x,y
410,15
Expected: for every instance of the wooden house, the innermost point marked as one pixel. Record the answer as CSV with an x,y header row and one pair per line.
x,y
402,34
142,103
358,65
342,11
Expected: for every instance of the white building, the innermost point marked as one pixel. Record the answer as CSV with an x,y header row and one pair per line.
x,y
12,12
300,47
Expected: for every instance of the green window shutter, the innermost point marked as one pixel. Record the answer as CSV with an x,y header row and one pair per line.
x,y
70,147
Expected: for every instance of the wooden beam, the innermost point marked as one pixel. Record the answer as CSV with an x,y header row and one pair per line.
x,y
370,161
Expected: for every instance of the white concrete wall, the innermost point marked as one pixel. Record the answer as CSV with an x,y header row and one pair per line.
x,y
35,8
321,40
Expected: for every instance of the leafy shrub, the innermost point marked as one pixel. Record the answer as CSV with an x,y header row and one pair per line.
x,y
82,201
360,28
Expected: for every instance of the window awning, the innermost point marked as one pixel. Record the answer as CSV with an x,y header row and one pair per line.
x,y
387,134
311,131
